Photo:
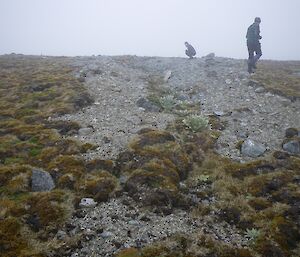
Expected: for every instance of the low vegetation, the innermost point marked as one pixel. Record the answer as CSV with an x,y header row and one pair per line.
x,y
260,199
33,91
280,77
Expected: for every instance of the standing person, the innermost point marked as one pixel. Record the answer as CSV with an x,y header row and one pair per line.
x,y
253,44
190,51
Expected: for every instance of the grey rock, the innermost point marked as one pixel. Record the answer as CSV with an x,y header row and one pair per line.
x,y
133,222
61,235
210,55
242,134
291,132
228,81
219,113
85,131
292,147
147,105
87,203
41,181
123,179
259,90
106,234
183,97
167,76
107,139
89,234
252,149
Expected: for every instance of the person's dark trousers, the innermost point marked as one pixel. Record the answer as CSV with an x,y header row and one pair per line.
x,y
189,54
253,47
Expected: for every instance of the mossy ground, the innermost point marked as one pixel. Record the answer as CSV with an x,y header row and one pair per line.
x,y
32,89
280,77
262,195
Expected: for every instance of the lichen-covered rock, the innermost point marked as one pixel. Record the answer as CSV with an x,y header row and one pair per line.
x,y
41,181
252,149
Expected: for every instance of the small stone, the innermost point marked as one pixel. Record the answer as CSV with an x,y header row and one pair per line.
x,y
292,147
167,76
114,217
70,227
182,97
242,134
89,234
123,179
259,90
99,230
85,131
228,81
147,105
61,235
252,149
106,234
117,244
80,214
41,181
145,218
133,222
106,140
219,113
291,132
211,55
87,203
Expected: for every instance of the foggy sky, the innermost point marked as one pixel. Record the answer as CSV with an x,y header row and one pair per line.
x,y
148,27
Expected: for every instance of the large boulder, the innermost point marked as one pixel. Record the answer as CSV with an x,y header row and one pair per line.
x,y
41,181
252,149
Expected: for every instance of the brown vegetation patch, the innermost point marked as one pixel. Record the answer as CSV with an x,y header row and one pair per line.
x,y
280,77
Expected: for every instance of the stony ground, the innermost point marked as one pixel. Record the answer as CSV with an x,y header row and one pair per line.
x,y
221,85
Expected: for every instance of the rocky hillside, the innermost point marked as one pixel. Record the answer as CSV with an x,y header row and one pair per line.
x,y
149,156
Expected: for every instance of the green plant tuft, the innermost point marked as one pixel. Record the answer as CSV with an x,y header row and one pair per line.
x,y
252,235
196,123
167,102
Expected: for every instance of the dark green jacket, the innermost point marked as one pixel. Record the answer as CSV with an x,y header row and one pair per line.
x,y
253,33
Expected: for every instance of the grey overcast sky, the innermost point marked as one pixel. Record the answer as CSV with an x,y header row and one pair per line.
x,y
148,27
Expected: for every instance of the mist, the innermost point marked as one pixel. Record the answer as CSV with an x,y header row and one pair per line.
x,y
148,27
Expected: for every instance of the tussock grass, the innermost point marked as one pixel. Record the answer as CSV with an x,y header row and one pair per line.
x,y
281,77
